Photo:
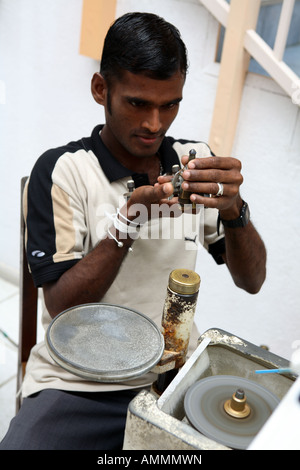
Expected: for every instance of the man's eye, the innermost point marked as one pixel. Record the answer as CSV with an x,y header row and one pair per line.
x,y
171,105
136,103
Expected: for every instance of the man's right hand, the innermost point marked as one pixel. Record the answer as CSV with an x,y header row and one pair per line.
x,y
139,206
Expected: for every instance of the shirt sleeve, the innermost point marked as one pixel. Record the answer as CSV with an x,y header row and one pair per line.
x,y
55,223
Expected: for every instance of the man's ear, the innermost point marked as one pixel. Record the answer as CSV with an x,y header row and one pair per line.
x,y
99,88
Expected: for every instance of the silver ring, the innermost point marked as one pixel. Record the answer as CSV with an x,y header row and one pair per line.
x,y
220,190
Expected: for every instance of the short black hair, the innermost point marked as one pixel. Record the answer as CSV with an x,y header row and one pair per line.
x,y
143,43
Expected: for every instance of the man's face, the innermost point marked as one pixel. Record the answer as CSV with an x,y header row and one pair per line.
x,y
139,110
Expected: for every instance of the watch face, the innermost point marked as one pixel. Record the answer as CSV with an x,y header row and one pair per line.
x,y
245,214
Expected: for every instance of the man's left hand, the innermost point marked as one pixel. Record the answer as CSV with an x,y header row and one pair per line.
x,y
202,177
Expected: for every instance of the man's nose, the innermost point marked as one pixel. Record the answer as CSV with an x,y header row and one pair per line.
x,y
152,121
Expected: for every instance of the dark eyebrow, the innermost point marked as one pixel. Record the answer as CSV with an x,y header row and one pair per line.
x,y
140,101
136,100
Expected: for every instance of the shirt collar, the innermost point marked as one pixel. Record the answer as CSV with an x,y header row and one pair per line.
x,y
114,170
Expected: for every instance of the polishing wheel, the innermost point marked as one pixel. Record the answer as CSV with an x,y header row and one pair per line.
x,y
228,409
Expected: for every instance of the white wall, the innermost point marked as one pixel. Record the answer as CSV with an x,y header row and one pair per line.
x,y
268,143
48,102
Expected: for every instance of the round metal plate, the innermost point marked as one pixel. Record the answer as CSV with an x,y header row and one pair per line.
x,y
204,408
104,343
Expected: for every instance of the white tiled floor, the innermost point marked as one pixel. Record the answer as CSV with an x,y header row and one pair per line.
x,y
9,323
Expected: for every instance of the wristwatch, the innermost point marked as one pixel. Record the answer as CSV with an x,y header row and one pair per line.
x,y
241,221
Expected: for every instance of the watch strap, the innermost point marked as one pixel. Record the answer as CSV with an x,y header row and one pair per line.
x,y
240,221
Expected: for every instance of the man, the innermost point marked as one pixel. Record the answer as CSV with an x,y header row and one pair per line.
x,y
80,228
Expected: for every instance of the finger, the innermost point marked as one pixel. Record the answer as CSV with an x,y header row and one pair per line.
x,y
223,163
164,179
201,188
162,191
216,176
219,203
184,160
147,195
229,190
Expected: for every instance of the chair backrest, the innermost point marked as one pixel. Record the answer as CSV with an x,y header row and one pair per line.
x,y
27,307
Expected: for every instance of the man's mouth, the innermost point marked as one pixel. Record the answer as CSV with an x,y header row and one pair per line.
x,y
149,139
